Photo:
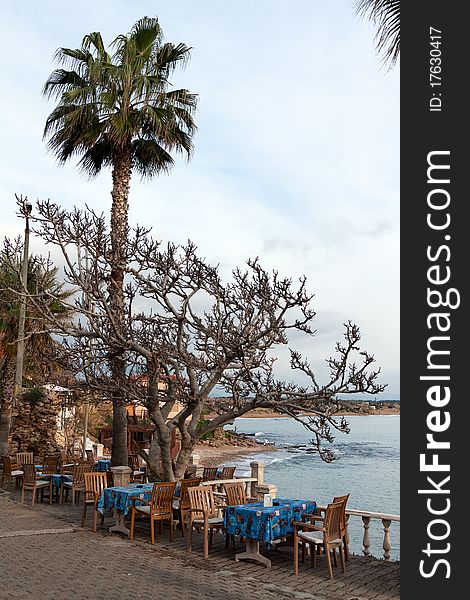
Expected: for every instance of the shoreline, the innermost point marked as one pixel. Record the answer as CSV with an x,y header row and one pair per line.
x,y
274,415
213,456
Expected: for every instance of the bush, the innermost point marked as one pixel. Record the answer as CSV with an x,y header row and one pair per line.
x,y
34,396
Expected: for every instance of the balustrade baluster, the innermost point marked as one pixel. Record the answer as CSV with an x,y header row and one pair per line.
x,y
366,539
387,546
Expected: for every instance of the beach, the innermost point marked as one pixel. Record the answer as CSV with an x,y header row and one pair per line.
x,y
213,456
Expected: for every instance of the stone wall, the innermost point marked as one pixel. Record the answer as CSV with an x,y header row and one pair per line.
x,y
34,428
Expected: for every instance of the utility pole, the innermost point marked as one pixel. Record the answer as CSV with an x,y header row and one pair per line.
x,y
26,207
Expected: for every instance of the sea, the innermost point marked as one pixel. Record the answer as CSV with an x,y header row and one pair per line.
x,y
367,467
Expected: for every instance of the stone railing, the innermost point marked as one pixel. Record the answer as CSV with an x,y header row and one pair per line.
x,y
366,516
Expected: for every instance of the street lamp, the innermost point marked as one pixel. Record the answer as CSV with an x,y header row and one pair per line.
x,y
25,210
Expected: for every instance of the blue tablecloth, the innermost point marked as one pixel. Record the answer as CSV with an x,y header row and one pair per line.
x,y
56,478
120,498
266,523
103,464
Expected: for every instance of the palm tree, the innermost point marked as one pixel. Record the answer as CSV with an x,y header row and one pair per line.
x,y
41,282
116,110
385,14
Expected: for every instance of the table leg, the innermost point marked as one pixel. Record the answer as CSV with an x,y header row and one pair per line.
x,y
252,552
120,526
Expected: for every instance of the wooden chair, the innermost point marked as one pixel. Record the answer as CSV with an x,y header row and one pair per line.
x,y
158,508
95,483
227,473
209,473
50,464
10,474
77,484
139,474
343,522
203,515
33,484
181,502
235,494
327,537
24,458
90,456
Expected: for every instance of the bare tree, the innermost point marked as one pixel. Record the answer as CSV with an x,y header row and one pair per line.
x,y
193,335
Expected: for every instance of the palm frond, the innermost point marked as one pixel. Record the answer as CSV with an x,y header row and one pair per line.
x,y
150,158
385,14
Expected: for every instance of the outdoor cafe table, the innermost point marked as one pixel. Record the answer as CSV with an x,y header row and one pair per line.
x,y
103,464
57,479
119,498
258,523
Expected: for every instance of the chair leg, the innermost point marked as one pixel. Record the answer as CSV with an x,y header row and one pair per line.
x,y
152,531
206,543
190,536
171,527
22,495
296,553
328,560
94,519
182,515
346,549
84,514
34,496
342,558
50,491
131,533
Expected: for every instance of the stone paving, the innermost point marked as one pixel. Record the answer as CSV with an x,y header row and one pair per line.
x,y
44,553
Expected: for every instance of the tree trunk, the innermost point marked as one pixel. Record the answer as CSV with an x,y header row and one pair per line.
x,y
7,389
162,439
122,165
187,447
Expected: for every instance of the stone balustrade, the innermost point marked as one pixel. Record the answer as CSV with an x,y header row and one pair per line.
x,y
366,517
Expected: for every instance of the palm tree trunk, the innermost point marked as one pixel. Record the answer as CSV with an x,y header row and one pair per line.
x,y
6,391
119,233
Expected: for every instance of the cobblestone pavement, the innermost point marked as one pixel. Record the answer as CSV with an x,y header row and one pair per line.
x,y
45,554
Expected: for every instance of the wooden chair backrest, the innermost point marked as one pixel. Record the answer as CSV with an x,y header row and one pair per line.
x,y
227,473
235,493
133,462
332,521
6,466
209,473
50,464
202,497
162,497
78,473
185,484
29,474
90,456
344,501
95,484
24,458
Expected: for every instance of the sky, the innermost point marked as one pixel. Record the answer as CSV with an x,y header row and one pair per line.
x,y
296,155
